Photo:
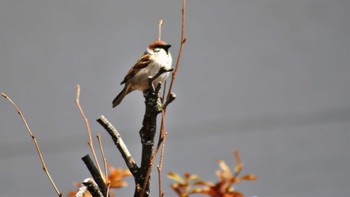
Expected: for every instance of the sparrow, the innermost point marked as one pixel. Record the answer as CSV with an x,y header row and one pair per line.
x,y
155,57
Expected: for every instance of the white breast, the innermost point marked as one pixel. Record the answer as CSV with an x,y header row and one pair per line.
x,y
140,80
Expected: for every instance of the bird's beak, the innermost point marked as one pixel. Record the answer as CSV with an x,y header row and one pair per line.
x,y
166,47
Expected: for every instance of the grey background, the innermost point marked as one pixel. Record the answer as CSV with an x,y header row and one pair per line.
x,y
268,77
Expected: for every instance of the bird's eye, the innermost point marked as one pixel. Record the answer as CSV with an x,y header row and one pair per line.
x,y
156,50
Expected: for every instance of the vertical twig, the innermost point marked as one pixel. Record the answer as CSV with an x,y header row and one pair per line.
x,y
183,40
35,143
162,129
164,91
104,162
160,165
91,145
160,29
103,154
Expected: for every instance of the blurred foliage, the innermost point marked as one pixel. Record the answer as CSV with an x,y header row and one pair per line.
x,y
192,184
189,184
115,180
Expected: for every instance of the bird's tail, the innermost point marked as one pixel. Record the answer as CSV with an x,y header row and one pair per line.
x,y
120,97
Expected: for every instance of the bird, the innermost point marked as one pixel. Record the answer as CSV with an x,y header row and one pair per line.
x,y
156,56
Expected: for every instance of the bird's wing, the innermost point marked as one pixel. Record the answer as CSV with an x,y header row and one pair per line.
x,y
141,63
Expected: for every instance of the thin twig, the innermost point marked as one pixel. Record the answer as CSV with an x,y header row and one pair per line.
x,y
96,175
238,161
35,143
164,91
160,165
103,157
118,141
160,29
160,38
183,40
108,188
162,138
99,139
170,97
91,145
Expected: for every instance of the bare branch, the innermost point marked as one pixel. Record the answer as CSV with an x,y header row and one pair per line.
x,y
92,187
103,156
108,184
183,40
170,97
91,145
147,134
35,143
82,189
118,141
160,165
160,29
95,174
155,152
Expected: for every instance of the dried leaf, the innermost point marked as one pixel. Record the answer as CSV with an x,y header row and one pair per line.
x,y
194,177
116,176
233,194
189,177
248,177
199,191
237,156
224,172
204,183
239,165
71,194
222,188
176,177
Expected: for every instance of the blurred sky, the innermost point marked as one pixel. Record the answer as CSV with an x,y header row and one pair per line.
x,y
268,77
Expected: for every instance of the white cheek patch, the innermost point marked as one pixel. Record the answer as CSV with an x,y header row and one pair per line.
x,y
149,51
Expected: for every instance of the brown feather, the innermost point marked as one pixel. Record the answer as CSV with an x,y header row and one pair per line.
x,y
158,43
141,63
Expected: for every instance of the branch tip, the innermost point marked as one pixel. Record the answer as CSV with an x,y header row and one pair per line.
x,y
95,173
4,95
160,29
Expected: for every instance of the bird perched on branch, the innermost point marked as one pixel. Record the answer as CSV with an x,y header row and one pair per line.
x,y
155,57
